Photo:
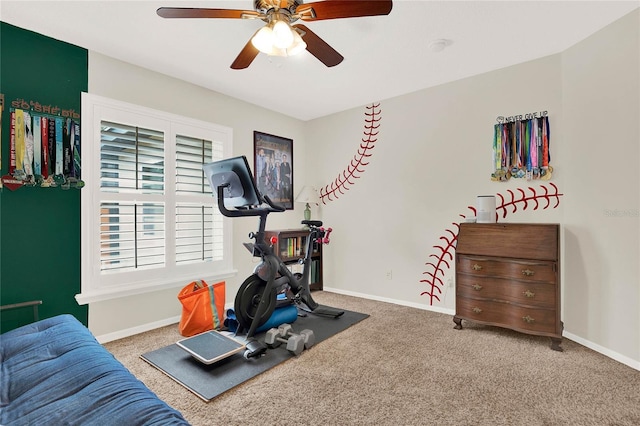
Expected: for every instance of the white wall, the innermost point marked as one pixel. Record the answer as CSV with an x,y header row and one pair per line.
x,y
601,97
433,156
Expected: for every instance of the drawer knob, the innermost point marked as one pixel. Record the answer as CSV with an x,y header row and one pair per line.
x,y
477,287
476,310
528,293
476,267
527,272
528,319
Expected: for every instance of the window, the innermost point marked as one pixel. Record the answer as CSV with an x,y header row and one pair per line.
x,y
149,220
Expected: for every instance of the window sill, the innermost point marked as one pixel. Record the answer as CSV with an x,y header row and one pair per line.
x,y
99,295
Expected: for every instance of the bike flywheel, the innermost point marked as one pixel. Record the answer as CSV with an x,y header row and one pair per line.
x,y
248,299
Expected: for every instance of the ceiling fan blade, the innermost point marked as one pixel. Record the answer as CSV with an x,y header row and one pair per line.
x,y
335,9
319,48
190,12
245,57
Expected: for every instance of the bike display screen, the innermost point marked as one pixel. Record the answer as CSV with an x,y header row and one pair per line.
x,y
235,173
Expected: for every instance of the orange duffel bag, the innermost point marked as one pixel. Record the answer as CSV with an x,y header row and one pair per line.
x,y
202,307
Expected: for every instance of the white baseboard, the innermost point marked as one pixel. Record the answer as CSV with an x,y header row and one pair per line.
x,y
121,334
604,351
593,346
388,300
128,332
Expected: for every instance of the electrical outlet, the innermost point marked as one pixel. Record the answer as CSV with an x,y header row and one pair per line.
x,y
389,274
450,282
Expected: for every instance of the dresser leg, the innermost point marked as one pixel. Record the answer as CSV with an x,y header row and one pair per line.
x,y
458,322
555,344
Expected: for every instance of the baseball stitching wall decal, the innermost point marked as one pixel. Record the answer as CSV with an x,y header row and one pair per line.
x,y
443,256
356,167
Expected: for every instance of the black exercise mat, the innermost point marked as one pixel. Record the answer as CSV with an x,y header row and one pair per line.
x,y
209,381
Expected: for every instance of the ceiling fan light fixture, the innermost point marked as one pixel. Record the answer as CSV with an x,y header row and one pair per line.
x,y
277,38
282,35
298,45
276,51
263,40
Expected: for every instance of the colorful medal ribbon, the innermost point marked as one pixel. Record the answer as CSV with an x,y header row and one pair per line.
x,y
547,170
19,145
44,128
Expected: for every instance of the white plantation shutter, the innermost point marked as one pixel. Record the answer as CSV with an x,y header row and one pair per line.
x,y
191,153
132,236
149,218
199,235
194,233
131,161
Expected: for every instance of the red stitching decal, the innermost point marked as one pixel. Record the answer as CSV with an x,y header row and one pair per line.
x,y
357,166
434,282
444,252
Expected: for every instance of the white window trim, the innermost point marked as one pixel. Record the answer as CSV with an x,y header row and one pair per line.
x,y
94,286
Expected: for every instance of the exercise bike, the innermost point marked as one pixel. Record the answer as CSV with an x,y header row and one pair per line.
x,y
257,297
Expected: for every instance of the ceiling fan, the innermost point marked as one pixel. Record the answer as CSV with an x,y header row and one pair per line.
x,y
279,37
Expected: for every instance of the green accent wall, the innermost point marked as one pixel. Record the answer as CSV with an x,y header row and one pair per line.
x,y
39,227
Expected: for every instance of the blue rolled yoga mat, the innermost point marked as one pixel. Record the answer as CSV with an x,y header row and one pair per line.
x,y
285,314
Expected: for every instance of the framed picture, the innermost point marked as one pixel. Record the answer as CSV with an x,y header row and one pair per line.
x,y
273,167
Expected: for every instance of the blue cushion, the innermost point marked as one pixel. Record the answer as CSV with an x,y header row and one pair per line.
x,y
55,372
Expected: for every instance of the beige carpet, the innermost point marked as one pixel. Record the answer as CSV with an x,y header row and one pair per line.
x,y
405,366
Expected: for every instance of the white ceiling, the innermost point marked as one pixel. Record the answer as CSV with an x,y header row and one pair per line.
x,y
385,56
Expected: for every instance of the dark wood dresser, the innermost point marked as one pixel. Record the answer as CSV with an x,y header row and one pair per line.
x,y
508,275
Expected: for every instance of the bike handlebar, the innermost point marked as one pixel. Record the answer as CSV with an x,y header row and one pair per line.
x,y
257,211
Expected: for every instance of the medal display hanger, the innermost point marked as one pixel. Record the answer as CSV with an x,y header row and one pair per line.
x,y
44,149
521,147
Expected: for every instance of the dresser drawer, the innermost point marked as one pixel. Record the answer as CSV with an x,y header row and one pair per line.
x,y
503,314
536,294
524,270
524,241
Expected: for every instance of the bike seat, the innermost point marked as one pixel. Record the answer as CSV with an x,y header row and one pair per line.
x,y
315,223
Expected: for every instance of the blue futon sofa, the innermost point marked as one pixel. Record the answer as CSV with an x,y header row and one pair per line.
x,y
55,372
